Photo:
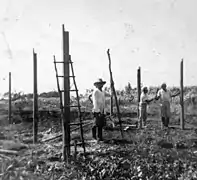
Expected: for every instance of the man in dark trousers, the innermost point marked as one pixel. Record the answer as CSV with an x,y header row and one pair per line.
x,y
165,97
98,100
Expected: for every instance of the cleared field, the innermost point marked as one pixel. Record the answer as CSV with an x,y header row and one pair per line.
x,y
150,152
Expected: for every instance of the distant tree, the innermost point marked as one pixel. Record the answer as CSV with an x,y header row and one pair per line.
x,y
49,94
122,92
29,96
128,89
15,95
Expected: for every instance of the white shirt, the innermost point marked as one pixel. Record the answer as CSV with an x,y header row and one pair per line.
x,y
143,98
164,95
98,98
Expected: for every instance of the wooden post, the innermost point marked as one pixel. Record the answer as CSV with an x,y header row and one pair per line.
x,y
111,98
66,84
10,101
114,93
182,121
139,92
35,98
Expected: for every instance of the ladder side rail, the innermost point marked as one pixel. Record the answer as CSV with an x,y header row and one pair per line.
x,y
77,94
58,87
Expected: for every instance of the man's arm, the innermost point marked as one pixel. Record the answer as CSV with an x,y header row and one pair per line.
x,y
158,95
174,95
150,100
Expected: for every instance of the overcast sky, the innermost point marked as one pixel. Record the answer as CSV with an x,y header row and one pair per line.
x,y
153,34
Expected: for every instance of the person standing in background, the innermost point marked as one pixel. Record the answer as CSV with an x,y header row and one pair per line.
x,y
144,101
165,97
98,100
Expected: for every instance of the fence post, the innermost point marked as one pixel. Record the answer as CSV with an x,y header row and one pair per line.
x,y
139,93
66,84
111,98
35,99
182,120
10,101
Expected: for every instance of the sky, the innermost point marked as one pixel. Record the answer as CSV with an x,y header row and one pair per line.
x,y
152,34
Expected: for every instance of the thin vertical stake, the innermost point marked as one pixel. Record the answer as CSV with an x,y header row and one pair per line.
x,y
139,92
111,97
10,101
182,120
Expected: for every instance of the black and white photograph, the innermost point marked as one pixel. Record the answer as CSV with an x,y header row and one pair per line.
x,y
98,90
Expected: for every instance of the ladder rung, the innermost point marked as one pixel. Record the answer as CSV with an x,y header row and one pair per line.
x,y
70,90
75,124
74,90
73,106
71,62
59,62
66,76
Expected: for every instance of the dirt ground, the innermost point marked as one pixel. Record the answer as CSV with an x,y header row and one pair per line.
x,y
149,153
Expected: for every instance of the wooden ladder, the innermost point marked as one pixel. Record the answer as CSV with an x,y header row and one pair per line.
x,y
70,106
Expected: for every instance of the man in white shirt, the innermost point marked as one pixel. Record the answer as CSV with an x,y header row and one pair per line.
x,y
144,100
165,97
98,99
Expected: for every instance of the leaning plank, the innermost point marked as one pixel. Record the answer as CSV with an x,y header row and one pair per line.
x,y
11,152
59,136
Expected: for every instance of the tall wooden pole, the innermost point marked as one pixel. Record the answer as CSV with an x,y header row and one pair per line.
x,y
10,101
182,120
111,97
114,93
35,98
139,92
66,84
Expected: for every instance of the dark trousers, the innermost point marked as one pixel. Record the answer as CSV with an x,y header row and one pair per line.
x,y
165,121
97,128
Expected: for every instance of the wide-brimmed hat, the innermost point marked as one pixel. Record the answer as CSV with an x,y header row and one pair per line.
x,y
99,81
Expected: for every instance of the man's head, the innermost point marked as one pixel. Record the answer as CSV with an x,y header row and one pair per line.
x,y
145,90
99,83
164,86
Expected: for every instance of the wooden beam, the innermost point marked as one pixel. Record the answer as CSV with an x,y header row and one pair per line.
x,y
66,95
35,99
10,101
182,120
74,129
114,93
111,97
9,152
139,92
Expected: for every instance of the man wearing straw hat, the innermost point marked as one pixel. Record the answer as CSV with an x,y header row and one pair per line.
x,y
165,97
98,100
